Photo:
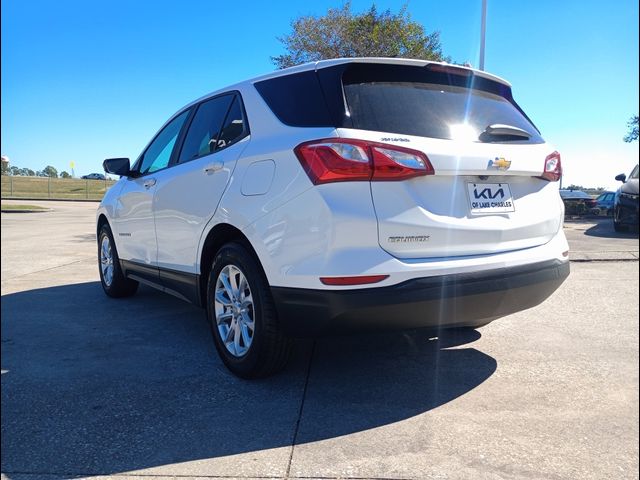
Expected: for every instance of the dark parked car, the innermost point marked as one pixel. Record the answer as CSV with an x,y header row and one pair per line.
x,y
625,206
93,176
577,202
604,204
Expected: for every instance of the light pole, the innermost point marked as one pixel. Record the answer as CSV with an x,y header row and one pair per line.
x,y
483,32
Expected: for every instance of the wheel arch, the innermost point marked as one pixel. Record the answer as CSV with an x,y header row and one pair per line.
x,y
217,237
102,220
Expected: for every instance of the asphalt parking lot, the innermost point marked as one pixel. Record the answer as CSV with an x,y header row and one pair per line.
x,y
93,386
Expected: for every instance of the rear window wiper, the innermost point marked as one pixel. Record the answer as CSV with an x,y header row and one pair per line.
x,y
501,130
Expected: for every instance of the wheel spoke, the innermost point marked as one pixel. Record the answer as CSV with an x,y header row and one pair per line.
x,y
233,273
242,287
221,298
108,274
224,279
236,339
246,337
248,321
228,336
247,301
222,317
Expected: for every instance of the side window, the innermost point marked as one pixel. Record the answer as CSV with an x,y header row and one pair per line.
x,y
202,136
233,129
158,154
297,99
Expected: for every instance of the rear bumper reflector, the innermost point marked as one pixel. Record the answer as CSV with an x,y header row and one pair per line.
x,y
359,280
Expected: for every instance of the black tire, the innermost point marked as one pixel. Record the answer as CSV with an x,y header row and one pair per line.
x,y
120,285
617,226
269,350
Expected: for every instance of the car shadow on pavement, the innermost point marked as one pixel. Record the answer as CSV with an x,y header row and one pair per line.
x,y
92,385
604,229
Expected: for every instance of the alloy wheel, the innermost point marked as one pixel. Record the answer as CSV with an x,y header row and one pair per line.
x,y
234,310
106,261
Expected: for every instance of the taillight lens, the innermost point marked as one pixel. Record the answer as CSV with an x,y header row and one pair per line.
x,y
552,167
341,160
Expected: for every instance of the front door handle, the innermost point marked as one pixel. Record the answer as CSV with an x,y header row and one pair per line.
x,y
149,183
214,167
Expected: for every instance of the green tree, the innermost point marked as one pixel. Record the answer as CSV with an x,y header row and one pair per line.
x,y
13,170
343,33
27,172
64,174
6,170
632,134
50,171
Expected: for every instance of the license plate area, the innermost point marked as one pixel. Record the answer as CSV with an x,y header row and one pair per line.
x,y
490,198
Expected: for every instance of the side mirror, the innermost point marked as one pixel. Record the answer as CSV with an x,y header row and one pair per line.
x,y
621,178
117,166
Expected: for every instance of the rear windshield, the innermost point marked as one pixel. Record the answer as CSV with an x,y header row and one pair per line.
x,y
399,99
420,102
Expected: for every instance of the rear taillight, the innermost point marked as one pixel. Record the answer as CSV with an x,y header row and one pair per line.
x,y
552,167
341,160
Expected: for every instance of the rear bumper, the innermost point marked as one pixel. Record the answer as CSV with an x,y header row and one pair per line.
x,y
466,299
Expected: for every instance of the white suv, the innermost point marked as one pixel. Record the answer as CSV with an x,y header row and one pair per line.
x,y
340,195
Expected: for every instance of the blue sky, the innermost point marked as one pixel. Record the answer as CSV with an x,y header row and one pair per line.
x,y
86,80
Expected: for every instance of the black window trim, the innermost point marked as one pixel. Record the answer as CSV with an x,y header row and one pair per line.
x,y
245,126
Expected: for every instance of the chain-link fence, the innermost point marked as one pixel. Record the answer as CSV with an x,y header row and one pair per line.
x,y
53,188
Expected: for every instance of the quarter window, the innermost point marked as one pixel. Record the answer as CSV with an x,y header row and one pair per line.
x,y
158,154
202,136
297,99
233,129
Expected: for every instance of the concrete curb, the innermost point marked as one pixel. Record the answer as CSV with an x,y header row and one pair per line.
x,y
33,199
604,256
25,211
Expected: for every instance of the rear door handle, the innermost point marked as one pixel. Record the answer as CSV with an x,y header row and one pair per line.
x,y
149,183
214,167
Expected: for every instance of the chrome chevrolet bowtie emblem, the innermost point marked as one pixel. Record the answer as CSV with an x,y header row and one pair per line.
x,y
500,163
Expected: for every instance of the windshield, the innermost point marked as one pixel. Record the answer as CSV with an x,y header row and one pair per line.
x,y
634,173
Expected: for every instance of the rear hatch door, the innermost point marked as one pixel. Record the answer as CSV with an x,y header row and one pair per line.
x,y
486,195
